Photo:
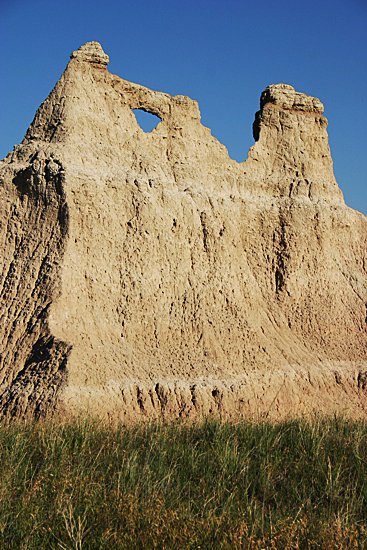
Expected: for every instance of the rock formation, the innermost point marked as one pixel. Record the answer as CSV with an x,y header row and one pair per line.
x,y
149,275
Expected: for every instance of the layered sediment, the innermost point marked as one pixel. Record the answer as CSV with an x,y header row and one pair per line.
x,y
150,275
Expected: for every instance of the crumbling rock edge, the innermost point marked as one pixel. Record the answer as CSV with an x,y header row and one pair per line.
x,y
148,275
274,396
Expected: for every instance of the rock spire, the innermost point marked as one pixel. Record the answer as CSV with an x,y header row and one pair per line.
x,y
91,52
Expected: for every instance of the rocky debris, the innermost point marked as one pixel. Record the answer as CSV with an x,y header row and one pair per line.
x,y
150,275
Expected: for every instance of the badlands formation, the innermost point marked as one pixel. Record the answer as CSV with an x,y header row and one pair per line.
x,y
148,275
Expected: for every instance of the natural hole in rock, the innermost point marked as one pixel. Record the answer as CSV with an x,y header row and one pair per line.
x,y
146,121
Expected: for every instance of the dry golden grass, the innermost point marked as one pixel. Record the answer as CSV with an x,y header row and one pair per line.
x,y
83,485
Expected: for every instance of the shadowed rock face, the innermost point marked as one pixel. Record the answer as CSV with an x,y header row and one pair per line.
x,y
149,275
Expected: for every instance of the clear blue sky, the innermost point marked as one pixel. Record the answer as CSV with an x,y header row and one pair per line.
x,y
222,53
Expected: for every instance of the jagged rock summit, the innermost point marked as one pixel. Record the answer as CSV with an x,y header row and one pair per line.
x,y
92,53
149,275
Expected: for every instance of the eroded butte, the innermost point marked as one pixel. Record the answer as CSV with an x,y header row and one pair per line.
x,y
149,275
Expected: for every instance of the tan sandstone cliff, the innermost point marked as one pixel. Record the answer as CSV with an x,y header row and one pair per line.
x,y
149,275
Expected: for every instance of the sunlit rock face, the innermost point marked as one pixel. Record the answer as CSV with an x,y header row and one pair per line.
x,y
148,275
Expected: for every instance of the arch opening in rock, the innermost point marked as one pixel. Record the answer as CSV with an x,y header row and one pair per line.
x,y
147,121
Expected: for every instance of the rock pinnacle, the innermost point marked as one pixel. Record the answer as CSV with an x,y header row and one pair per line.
x,y
91,52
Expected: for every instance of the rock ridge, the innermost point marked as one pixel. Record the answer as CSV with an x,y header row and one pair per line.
x,y
149,275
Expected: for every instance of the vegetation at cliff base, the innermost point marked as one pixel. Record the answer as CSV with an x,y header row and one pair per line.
x,y
85,484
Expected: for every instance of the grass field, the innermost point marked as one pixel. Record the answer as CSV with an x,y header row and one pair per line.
x,y
78,485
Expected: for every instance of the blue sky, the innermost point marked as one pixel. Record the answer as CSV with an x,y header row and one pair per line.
x,y
221,53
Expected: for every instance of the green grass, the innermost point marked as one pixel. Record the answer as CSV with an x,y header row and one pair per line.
x,y
295,484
